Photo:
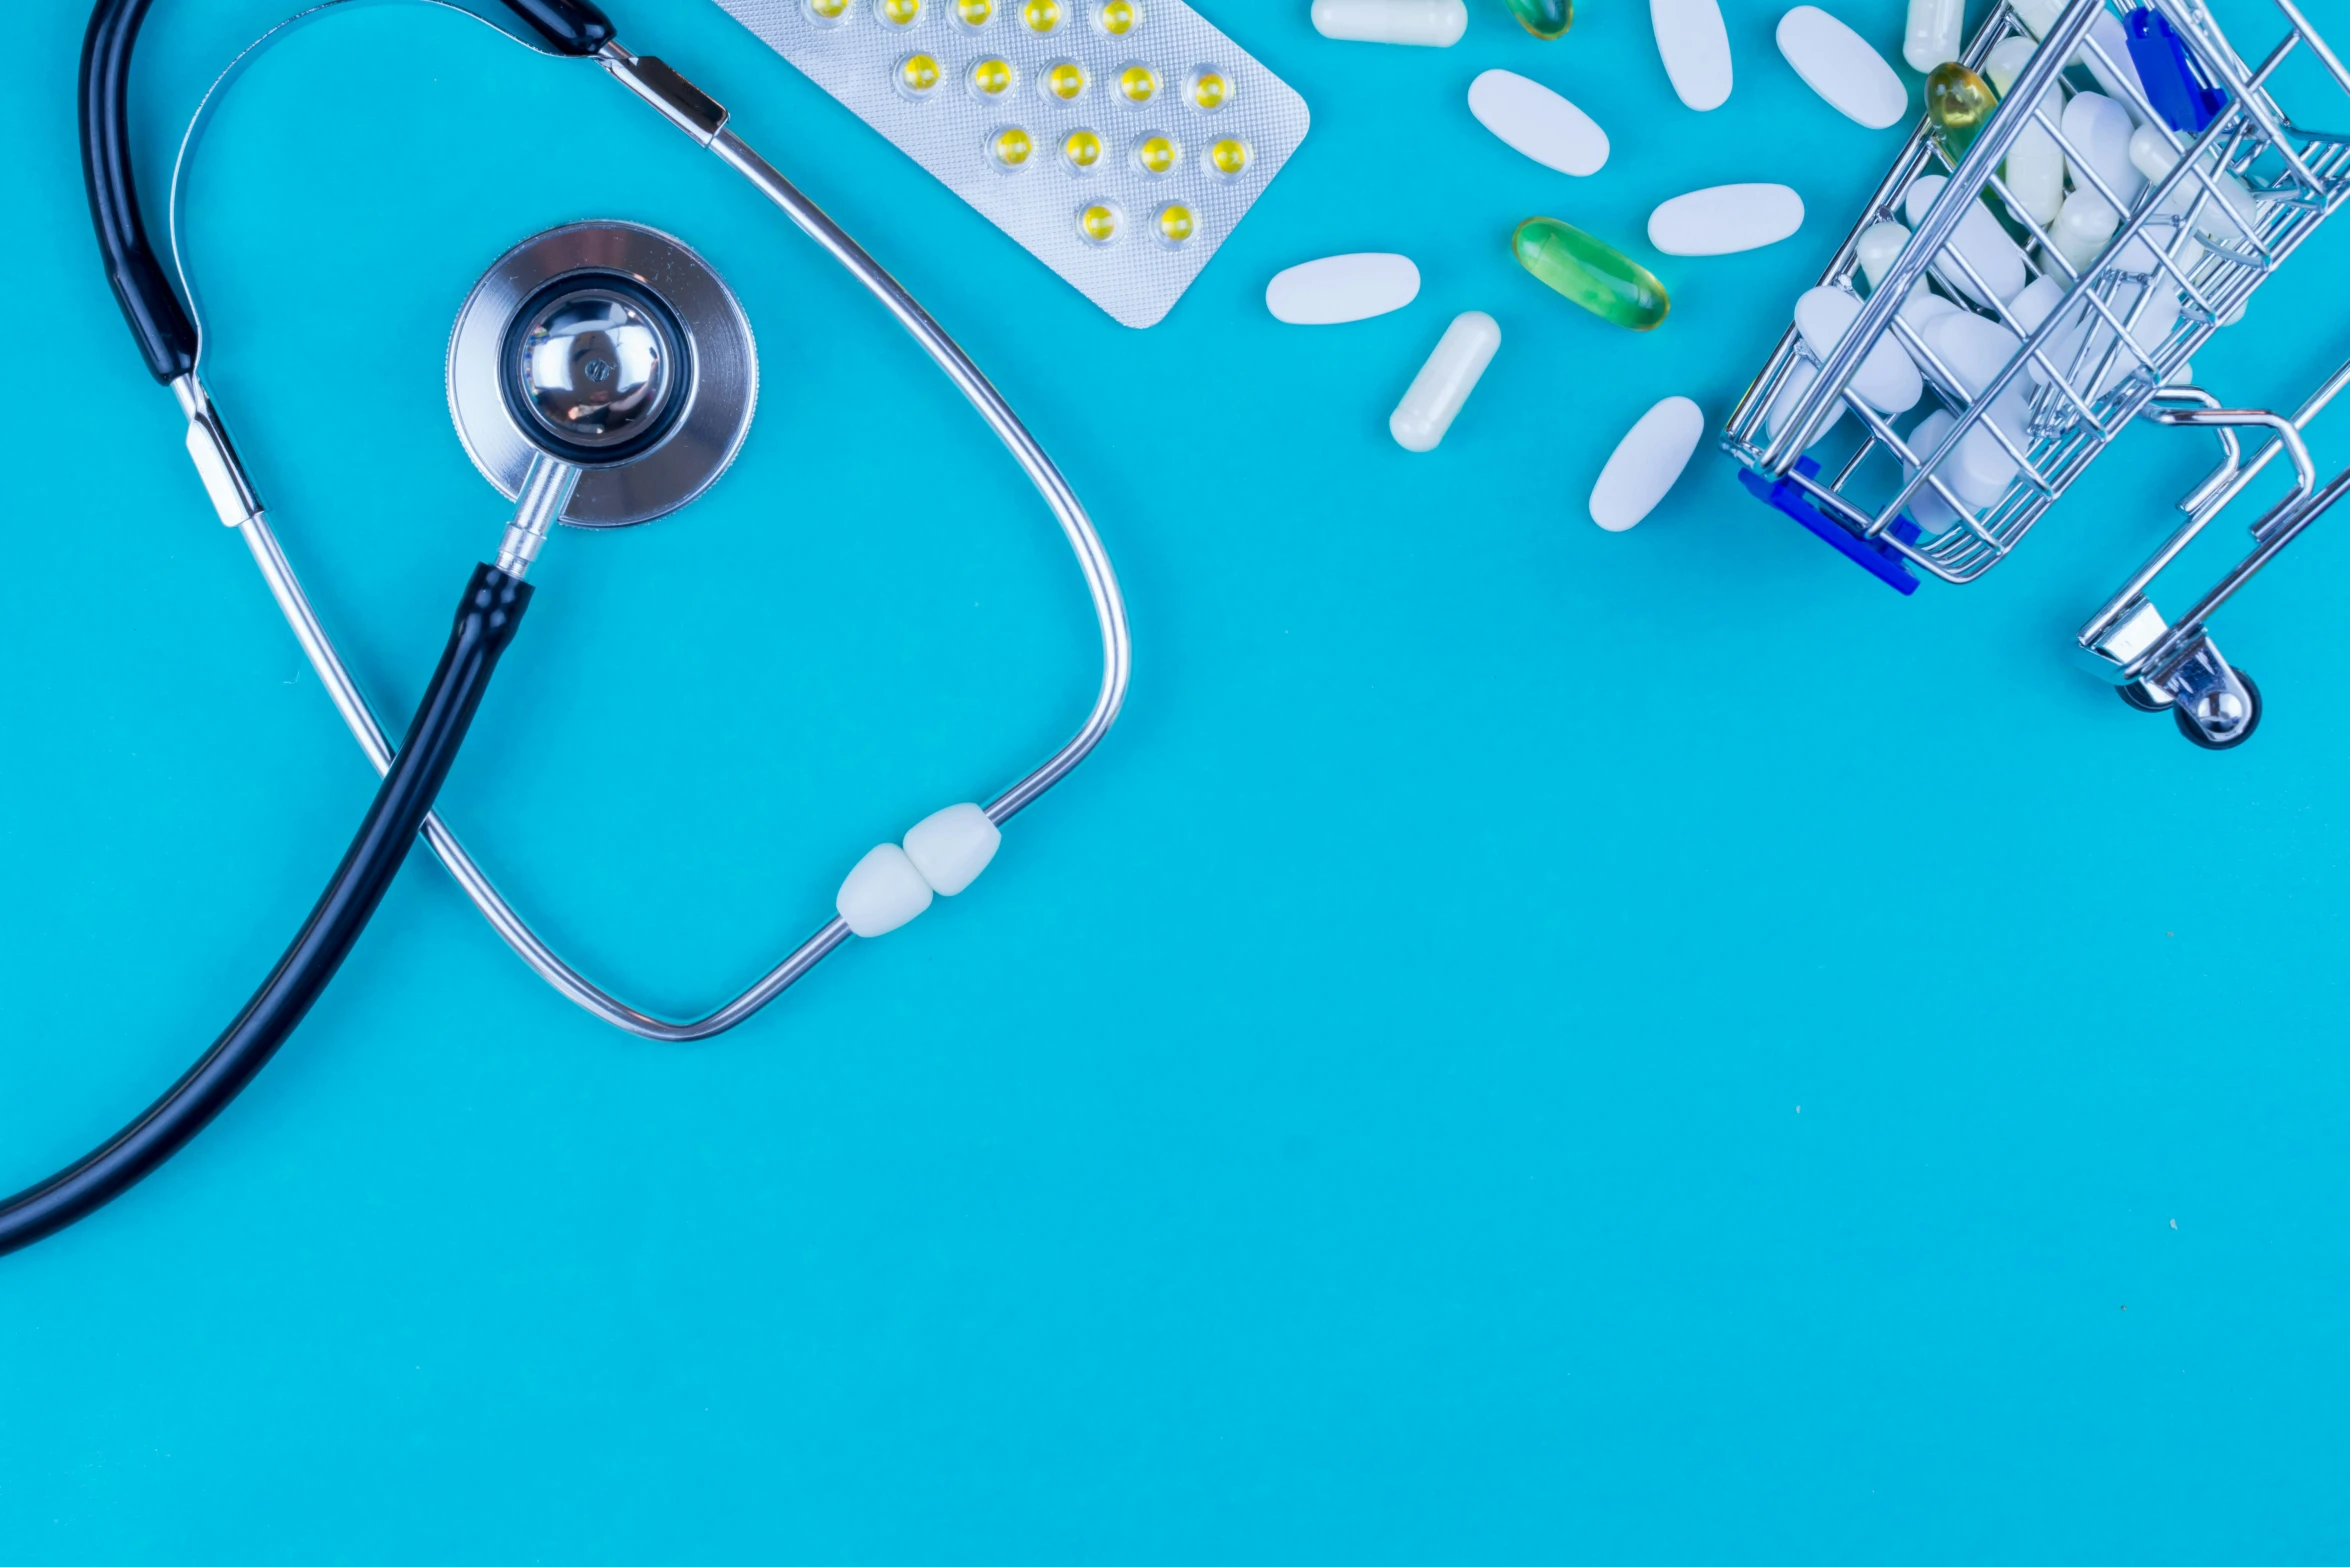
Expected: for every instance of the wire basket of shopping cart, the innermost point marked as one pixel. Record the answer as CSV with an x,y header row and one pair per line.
x,y
2098,187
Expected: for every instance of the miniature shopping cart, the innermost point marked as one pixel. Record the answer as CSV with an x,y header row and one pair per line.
x,y
2113,348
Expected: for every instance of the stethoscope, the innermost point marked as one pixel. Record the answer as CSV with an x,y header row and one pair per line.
x,y
600,374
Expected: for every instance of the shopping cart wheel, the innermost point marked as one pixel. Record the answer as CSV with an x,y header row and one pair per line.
x,y
2134,693
2251,722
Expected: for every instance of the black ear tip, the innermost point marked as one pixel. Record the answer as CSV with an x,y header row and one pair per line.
x,y
568,26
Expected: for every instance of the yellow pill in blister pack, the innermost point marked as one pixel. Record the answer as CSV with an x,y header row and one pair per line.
x,y
1042,16
1229,156
1210,89
1138,84
898,13
828,10
1176,223
974,13
1118,17
918,74
1011,148
1098,223
1157,154
1065,80
991,78
1083,149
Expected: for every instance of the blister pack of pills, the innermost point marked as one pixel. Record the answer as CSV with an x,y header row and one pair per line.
x,y
1120,141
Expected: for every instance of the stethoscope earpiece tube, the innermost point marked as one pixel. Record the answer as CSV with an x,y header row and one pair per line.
x,y
569,26
158,320
486,621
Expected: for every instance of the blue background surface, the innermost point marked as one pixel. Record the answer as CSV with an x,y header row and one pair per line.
x,y
1526,1044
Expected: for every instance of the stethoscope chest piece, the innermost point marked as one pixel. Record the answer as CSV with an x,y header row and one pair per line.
x,y
613,349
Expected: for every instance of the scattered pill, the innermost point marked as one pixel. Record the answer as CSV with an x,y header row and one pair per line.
x,y
1724,219
1438,24
1592,273
1445,382
1695,47
1838,64
1936,30
1538,122
1960,104
1979,243
1342,288
1544,18
1646,463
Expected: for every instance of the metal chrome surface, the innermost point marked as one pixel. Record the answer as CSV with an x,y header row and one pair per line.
x,y
718,397
595,371
546,490
702,119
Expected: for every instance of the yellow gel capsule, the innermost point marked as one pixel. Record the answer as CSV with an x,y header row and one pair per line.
x,y
1157,154
1138,84
1118,18
1042,16
1595,275
1960,104
1064,81
900,13
1209,90
975,13
1098,223
1229,156
1012,148
828,10
991,77
1544,18
918,73
1083,149
1176,224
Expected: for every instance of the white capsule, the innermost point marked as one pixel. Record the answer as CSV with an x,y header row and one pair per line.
x,y
1975,350
1936,29
1646,463
1342,288
1797,382
1878,248
1435,23
1838,64
1538,122
882,892
1724,219
2225,218
1886,379
2117,79
2037,15
2030,308
1445,381
1695,47
2084,227
2099,130
2006,62
1979,241
1977,470
2034,174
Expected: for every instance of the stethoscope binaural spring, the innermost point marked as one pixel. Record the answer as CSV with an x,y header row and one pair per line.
x,y
601,374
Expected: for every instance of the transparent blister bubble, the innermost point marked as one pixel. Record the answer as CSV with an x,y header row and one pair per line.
x,y
1120,141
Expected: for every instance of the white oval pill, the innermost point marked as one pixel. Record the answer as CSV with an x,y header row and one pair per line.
x,y
1936,29
1538,122
1437,24
1979,239
1838,64
1445,381
1724,219
1886,380
1342,288
1878,247
1798,381
1646,463
1695,47
2099,130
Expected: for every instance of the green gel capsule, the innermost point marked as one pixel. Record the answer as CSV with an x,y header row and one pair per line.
x,y
1599,277
1960,104
1544,18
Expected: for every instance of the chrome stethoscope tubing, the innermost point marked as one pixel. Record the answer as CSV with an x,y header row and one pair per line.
x,y
694,113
